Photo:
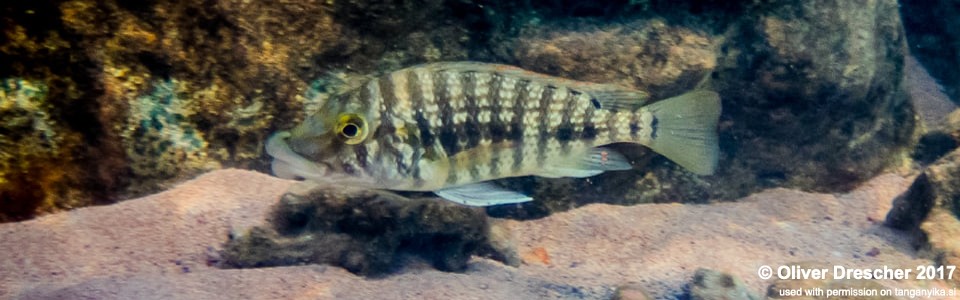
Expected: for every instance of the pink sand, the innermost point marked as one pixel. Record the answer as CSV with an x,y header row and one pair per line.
x,y
157,247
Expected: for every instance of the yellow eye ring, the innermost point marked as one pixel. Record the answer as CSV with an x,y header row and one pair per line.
x,y
352,128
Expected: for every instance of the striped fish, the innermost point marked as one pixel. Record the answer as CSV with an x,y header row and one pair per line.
x,y
451,127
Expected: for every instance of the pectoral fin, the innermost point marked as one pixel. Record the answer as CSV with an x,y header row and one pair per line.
x,y
593,162
481,194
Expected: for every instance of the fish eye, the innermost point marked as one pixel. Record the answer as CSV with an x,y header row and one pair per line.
x,y
350,130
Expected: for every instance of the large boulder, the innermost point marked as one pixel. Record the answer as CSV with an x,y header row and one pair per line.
x,y
811,92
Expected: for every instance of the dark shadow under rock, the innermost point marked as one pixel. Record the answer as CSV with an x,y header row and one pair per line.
x,y
933,146
364,231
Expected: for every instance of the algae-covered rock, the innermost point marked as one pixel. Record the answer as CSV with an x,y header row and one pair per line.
x,y
812,95
30,140
148,94
936,188
366,232
37,172
953,124
649,53
930,210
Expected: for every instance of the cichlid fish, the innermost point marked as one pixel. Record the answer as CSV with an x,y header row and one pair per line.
x,y
451,127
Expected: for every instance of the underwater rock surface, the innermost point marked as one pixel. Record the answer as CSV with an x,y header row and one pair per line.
x,y
166,246
141,96
930,210
149,94
812,96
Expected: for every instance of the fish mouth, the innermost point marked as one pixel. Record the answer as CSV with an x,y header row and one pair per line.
x,y
288,164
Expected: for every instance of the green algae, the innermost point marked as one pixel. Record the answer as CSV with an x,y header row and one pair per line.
x,y
24,108
162,139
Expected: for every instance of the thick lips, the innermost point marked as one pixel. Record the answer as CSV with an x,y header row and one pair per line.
x,y
290,165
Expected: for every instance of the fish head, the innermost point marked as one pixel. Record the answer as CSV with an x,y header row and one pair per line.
x,y
324,148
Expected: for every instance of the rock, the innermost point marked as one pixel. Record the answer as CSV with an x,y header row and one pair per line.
x,y
143,96
930,209
935,188
953,123
792,103
941,228
786,86
649,54
43,147
501,243
366,232
34,147
713,285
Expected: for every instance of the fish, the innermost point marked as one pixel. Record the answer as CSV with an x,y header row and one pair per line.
x,y
452,127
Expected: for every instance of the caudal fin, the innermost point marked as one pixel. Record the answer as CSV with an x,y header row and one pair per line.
x,y
684,129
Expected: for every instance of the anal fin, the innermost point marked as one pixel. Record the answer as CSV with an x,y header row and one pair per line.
x,y
481,194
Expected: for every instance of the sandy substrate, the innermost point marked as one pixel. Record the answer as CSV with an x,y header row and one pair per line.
x,y
159,247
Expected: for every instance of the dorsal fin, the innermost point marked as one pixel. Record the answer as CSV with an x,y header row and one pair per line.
x,y
617,98
506,70
604,96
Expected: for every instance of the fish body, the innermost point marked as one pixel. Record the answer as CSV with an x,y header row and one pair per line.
x,y
451,127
